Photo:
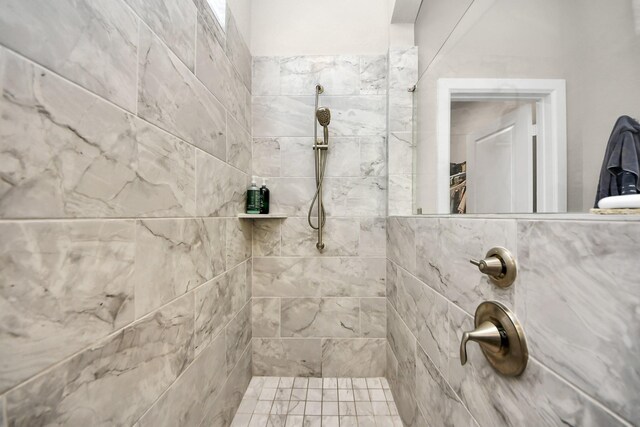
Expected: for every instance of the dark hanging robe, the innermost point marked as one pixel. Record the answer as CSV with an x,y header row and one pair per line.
x,y
621,165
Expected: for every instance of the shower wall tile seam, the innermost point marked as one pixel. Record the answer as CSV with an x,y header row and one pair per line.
x,y
136,321
580,393
135,113
142,21
183,373
112,104
193,72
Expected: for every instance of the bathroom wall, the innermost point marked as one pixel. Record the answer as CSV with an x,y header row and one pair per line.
x,y
320,314
577,298
125,280
328,27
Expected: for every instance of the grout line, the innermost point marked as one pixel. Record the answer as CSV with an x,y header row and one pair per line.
x,y
137,88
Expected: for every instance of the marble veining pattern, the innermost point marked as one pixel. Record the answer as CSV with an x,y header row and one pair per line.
x,y
173,21
93,44
217,302
86,158
595,272
331,303
430,306
184,402
220,188
320,317
174,256
172,98
119,305
146,356
216,72
89,265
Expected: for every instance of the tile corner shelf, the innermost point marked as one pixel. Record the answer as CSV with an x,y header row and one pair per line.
x,y
261,216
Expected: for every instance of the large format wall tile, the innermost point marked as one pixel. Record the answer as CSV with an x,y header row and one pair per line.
x,y
220,411
265,75
144,359
401,242
216,72
91,43
217,302
353,357
238,241
403,350
183,403
423,310
444,247
373,317
238,336
373,75
339,75
237,49
290,357
493,399
172,98
569,270
84,157
63,286
220,188
357,115
340,236
266,237
361,196
286,277
265,317
174,256
238,146
283,116
173,21
266,157
291,196
320,317
581,305
435,397
339,292
352,277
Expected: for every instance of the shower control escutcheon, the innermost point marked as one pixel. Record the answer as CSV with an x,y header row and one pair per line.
x,y
499,265
501,339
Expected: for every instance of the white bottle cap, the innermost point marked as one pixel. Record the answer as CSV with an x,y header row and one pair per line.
x,y
254,179
264,181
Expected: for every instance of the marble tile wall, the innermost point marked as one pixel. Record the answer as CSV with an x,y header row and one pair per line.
x,y
125,276
320,314
403,74
576,295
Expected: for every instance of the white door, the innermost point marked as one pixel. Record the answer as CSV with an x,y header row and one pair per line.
x,y
500,165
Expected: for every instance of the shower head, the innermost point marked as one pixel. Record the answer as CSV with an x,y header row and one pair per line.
x,y
323,115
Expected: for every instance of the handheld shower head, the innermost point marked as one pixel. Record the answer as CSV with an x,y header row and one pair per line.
x,y
323,114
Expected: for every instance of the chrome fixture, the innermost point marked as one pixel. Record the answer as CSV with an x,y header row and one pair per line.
x,y
499,265
323,115
501,339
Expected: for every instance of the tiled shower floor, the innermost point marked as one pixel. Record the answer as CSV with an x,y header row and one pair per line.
x,y
317,402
